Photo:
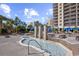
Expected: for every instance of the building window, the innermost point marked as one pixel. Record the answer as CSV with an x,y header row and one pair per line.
x,y
60,14
60,20
60,17
60,10
60,24
60,4
60,7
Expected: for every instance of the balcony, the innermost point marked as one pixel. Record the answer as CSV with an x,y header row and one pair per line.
x,y
73,4
78,8
55,8
55,12
72,21
77,11
55,21
73,7
78,24
66,24
56,25
73,14
67,7
66,21
77,3
74,17
66,14
55,18
78,20
72,24
78,16
55,15
66,4
55,5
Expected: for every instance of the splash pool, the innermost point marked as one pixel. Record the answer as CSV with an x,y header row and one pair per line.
x,y
54,49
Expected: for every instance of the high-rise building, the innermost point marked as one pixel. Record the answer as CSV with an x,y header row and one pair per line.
x,y
58,15
66,15
50,23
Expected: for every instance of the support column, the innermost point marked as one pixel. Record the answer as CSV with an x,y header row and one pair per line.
x,y
35,32
40,32
45,33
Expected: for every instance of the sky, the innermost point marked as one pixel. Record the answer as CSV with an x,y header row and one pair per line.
x,y
27,12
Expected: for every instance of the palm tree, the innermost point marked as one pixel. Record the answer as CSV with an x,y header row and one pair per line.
x,y
1,18
9,25
0,23
18,22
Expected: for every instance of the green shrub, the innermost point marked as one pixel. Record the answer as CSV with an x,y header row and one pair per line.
x,y
0,31
27,30
3,31
75,31
20,29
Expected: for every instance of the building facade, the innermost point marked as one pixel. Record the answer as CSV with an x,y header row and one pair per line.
x,y
58,15
50,23
66,15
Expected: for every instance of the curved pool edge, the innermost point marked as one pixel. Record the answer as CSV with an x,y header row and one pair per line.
x,y
46,54
20,42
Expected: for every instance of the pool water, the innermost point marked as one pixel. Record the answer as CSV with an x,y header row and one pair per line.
x,y
54,49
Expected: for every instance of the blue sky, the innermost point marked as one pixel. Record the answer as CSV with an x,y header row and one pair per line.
x,y
27,12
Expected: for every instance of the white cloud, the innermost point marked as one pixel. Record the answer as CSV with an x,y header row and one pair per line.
x,y
30,12
26,11
33,12
43,20
36,19
49,12
16,15
5,8
9,15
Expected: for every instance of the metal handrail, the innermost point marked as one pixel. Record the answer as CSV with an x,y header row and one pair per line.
x,y
40,47
29,44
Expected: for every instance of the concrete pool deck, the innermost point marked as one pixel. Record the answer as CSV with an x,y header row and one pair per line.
x,y
70,42
11,47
